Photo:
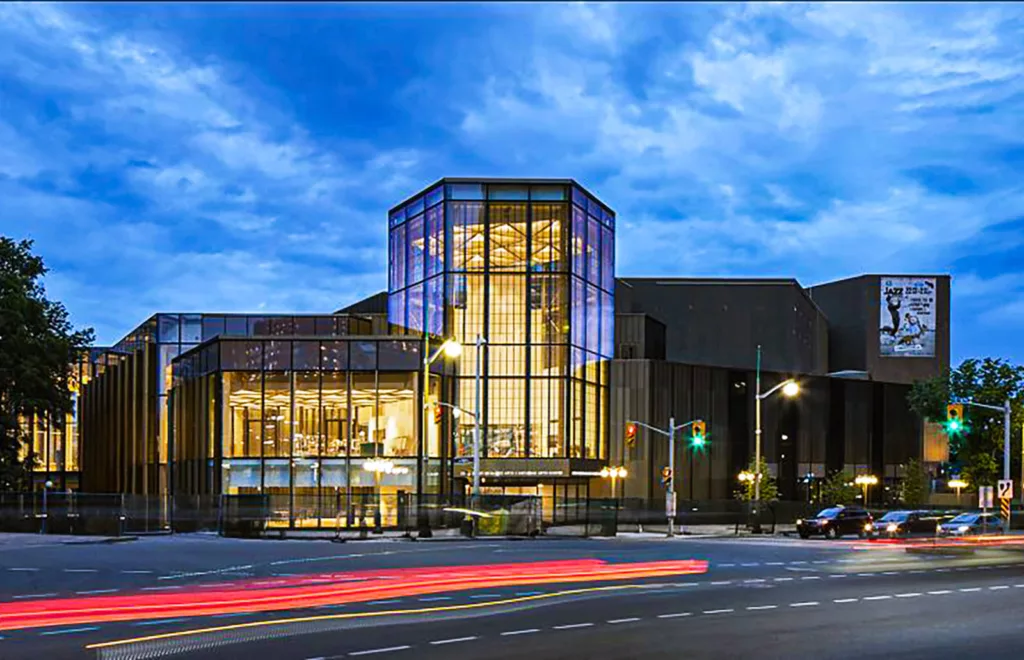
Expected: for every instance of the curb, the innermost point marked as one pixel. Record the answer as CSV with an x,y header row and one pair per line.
x,y
947,551
105,541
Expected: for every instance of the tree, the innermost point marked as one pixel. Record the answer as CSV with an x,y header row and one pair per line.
x,y
37,345
769,488
914,488
839,489
977,451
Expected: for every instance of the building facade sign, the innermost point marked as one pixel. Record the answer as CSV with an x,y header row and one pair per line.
x,y
906,325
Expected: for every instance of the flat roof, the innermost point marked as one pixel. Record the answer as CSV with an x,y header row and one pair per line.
x,y
515,181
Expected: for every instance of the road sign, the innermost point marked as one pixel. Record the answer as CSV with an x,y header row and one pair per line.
x,y
985,497
670,504
1004,510
1004,490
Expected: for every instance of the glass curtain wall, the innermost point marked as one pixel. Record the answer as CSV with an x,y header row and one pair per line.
x,y
305,422
529,267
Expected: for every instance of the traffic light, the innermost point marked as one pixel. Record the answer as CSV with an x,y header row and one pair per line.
x,y
698,436
666,476
630,434
954,417
438,414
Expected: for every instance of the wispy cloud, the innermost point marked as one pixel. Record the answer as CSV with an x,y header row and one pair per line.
x,y
210,169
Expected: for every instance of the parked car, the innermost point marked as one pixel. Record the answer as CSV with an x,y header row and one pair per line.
x,y
968,524
906,523
835,522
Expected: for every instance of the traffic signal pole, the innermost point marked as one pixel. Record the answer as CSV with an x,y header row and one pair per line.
x,y
1005,409
670,492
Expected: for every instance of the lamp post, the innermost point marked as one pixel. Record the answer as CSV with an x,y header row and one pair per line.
x,y
864,481
46,489
957,484
452,349
613,473
790,388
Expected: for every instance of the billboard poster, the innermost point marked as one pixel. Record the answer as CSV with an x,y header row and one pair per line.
x,y
907,317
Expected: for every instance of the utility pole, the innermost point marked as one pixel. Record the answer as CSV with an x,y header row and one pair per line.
x,y
670,492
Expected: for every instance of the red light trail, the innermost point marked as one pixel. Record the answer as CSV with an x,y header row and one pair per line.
x,y
327,589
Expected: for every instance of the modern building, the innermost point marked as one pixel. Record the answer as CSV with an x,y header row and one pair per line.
x,y
334,419
529,266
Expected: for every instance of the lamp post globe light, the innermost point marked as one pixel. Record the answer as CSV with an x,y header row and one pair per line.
x,y
789,388
864,481
451,349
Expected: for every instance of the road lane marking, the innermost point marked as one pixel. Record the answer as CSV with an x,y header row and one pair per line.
x,y
913,594
266,623
137,572
890,572
838,575
755,563
627,620
845,600
385,602
877,597
454,640
968,590
722,611
674,615
810,603
387,649
775,563
571,626
434,598
23,569
726,565
81,570
782,580
216,584
998,587
720,583
35,596
525,631
486,596
528,593
159,622
160,588
811,577
754,608
96,591
68,631
940,592
754,581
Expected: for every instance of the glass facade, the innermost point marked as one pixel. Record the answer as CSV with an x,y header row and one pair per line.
x,y
302,421
528,266
138,376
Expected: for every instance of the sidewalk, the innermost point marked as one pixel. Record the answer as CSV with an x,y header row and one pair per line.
x,y
11,540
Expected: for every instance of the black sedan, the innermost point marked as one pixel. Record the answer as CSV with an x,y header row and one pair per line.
x,y
835,522
905,523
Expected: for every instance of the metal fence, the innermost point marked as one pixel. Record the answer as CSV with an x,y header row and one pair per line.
x,y
340,513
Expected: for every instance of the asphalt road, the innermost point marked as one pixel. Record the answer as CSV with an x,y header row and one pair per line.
x,y
759,597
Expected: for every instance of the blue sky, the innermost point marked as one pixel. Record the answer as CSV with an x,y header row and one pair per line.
x,y
231,157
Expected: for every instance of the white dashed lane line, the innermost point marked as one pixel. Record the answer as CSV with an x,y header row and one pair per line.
x,y
68,631
527,631
810,603
756,608
572,626
81,570
626,620
95,592
456,640
387,649
34,596
722,611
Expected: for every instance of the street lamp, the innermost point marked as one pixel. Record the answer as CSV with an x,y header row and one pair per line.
x,y
864,481
46,489
790,388
613,473
957,484
452,349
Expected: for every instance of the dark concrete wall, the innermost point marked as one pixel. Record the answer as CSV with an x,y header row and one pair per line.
x,y
721,322
852,309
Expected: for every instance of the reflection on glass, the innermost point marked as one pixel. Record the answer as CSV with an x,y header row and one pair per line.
x,y
307,435
243,421
396,424
277,417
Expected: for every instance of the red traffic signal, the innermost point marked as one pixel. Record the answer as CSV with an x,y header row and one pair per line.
x,y
438,414
630,434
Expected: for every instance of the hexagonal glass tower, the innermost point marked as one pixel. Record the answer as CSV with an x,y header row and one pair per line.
x,y
528,264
